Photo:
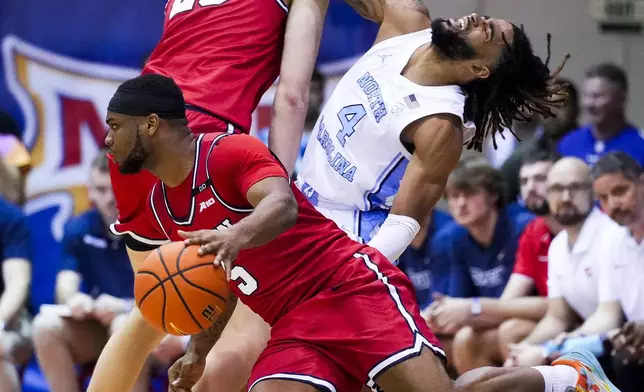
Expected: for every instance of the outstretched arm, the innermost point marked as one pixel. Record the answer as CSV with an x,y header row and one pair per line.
x,y
301,44
438,144
395,17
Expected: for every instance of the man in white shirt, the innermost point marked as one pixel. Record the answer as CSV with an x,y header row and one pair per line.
x,y
576,256
618,182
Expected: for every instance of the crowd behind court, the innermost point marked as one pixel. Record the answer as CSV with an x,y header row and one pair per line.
x,y
537,249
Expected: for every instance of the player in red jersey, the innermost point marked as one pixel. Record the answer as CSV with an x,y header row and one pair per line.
x,y
224,54
341,314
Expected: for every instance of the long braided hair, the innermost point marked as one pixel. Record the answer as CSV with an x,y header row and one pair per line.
x,y
521,84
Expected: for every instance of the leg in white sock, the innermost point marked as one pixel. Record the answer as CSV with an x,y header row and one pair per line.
x,y
558,378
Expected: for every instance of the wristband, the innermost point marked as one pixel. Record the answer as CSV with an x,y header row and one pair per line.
x,y
477,308
395,235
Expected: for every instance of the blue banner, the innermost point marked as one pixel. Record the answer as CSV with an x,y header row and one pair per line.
x,y
61,62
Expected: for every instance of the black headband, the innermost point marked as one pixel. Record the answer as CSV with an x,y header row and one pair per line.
x,y
142,103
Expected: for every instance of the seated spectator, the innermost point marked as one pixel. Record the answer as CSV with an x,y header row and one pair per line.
x,y
15,253
480,249
15,161
551,131
575,259
94,287
489,324
618,181
605,93
418,263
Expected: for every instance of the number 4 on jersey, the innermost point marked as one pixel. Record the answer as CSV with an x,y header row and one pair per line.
x,y
180,6
349,117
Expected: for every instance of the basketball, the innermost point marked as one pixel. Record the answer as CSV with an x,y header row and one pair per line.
x,y
180,292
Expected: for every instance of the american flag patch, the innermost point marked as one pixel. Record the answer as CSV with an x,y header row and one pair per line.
x,y
412,102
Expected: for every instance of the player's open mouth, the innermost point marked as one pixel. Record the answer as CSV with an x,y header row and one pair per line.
x,y
460,24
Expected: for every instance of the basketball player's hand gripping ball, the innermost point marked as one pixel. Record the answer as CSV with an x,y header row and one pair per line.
x,y
225,244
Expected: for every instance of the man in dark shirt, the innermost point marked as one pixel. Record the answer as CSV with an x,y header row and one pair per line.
x,y
15,257
94,289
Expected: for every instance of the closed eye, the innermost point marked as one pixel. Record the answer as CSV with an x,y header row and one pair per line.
x,y
492,29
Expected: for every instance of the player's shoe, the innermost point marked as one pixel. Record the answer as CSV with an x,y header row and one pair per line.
x,y
591,375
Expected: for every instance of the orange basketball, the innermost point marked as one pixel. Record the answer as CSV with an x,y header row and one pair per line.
x,y
180,292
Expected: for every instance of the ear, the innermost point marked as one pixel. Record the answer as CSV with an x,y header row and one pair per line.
x,y
481,72
152,124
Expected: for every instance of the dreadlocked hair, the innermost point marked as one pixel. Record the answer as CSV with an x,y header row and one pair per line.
x,y
520,85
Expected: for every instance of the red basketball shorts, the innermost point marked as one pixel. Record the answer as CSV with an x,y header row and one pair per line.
x,y
364,322
132,190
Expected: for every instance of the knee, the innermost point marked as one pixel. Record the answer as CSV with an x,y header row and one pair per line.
x,y
47,327
476,380
512,331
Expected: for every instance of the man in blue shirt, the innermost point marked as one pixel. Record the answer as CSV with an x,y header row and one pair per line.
x,y
426,273
604,99
94,289
15,257
480,250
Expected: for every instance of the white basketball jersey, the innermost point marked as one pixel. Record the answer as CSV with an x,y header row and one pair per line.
x,y
355,159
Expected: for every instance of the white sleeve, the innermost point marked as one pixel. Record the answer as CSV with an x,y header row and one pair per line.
x,y
395,235
554,259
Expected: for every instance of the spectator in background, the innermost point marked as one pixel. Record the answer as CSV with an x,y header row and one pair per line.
x,y
480,249
15,161
490,323
95,287
550,132
426,273
605,93
575,259
618,181
15,329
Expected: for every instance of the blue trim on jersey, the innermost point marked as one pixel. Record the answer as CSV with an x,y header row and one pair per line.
x,y
367,223
382,178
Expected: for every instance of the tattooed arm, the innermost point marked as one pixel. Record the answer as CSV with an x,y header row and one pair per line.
x,y
395,17
372,10
185,373
202,343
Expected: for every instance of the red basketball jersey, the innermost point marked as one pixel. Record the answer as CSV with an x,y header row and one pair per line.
x,y
270,279
223,54
532,254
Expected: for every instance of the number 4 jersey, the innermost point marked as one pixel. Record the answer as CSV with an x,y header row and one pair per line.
x,y
354,160
271,279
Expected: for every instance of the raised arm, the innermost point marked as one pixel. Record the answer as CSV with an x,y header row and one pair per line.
x,y
395,17
438,144
301,44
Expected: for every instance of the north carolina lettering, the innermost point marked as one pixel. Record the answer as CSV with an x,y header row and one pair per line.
x,y
337,161
372,90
